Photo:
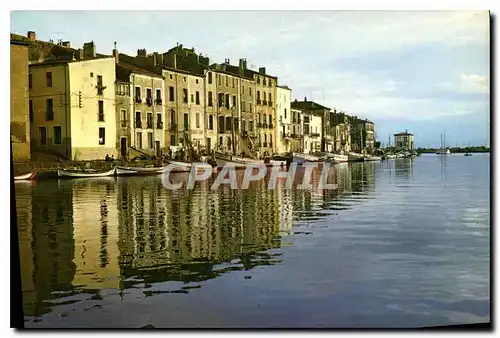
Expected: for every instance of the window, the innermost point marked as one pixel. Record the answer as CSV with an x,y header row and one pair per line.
x,y
285,113
150,140
258,97
102,136
123,117
185,79
264,81
100,117
227,81
57,135
264,97
138,93
210,99
250,105
233,82
221,99
138,141
192,98
210,122
197,97
31,110
172,140
48,76
250,91
185,95
171,77
159,123
270,98
50,110
43,135
171,94
210,77
270,120
227,101
138,118
221,124
186,121
30,81
219,80
234,101
149,93
100,87
149,120
197,120
172,119
196,81
158,95
258,80
91,74
243,125
243,106
250,125
228,123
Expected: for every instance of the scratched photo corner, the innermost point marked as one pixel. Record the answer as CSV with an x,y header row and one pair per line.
x,y
261,169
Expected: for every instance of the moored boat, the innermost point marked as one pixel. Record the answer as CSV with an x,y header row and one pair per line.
x,y
25,176
125,172
356,157
186,166
372,158
84,173
142,170
300,158
238,162
467,154
389,156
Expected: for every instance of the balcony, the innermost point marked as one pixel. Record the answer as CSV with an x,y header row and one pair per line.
x,y
124,123
159,125
270,103
314,135
159,101
264,102
138,99
149,101
138,124
100,89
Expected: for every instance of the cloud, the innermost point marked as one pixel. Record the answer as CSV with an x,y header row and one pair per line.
x,y
468,83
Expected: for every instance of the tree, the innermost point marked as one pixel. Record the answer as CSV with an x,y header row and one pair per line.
x,y
377,145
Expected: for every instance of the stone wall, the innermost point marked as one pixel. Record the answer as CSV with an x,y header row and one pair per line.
x,y
19,113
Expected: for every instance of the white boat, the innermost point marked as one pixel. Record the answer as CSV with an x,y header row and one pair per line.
x,y
186,166
390,156
443,151
26,176
83,173
237,162
142,170
356,157
125,172
372,158
300,158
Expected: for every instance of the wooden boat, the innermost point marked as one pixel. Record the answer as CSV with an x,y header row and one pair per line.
x,y
125,172
186,166
238,162
372,158
300,158
356,157
24,177
84,173
143,170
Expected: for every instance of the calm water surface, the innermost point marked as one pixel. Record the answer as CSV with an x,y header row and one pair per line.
x,y
401,243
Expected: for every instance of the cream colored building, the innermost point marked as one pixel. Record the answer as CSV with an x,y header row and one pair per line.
x,y
284,118
73,105
312,132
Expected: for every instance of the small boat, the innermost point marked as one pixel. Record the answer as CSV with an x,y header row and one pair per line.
x,y
467,154
142,170
186,166
125,172
238,162
390,156
84,173
24,177
356,157
443,151
300,158
372,158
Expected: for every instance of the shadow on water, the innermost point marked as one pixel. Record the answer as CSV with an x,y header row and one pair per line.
x,y
78,237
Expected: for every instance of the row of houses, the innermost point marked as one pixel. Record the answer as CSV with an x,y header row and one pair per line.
x,y
83,105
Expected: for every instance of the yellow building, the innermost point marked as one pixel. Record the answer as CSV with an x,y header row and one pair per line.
x,y
312,129
403,141
73,105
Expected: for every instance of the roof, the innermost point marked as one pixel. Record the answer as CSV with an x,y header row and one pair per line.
x,y
16,41
284,87
404,134
307,105
123,71
63,60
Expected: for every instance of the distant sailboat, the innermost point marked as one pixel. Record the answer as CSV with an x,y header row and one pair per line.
x,y
443,150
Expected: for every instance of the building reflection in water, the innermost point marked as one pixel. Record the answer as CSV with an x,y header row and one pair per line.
x,y
86,235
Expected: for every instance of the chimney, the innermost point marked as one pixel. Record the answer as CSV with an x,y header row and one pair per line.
x,y
79,54
158,58
227,61
175,60
66,44
116,54
32,36
89,49
141,52
243,64
305,99
262,70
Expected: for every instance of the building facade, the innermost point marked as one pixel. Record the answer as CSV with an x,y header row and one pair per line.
x,y
404,141
313,108
20,108
284,118
265,86
312,133
341,132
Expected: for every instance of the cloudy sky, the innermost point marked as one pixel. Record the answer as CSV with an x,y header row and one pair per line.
x,y
427,72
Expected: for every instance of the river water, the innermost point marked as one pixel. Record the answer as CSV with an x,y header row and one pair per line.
x,y
400,243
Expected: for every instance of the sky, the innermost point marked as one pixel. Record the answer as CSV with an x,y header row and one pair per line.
x,y
427,72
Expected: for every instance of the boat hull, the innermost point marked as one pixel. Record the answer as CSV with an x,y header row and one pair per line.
x,y
74,174
355,157
372,158
143,171
125,172
24,177
303,158
186,166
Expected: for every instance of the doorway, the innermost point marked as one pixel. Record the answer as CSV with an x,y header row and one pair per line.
x,y
123,147
158,149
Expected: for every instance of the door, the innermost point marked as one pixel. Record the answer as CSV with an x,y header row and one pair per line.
x,y
209,144
123,147
158,149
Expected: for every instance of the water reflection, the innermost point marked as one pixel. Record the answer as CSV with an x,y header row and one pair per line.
x,y
86,235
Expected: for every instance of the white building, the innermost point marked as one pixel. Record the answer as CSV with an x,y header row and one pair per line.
x,y
283,116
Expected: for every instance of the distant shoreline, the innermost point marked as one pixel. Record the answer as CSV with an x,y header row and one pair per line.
x,y
480,149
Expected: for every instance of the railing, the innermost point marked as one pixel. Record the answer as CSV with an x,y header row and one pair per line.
x,y
259,101
159,125
100,89
149,101
159,101
149,124
138,99
270,104
264,102
138,124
